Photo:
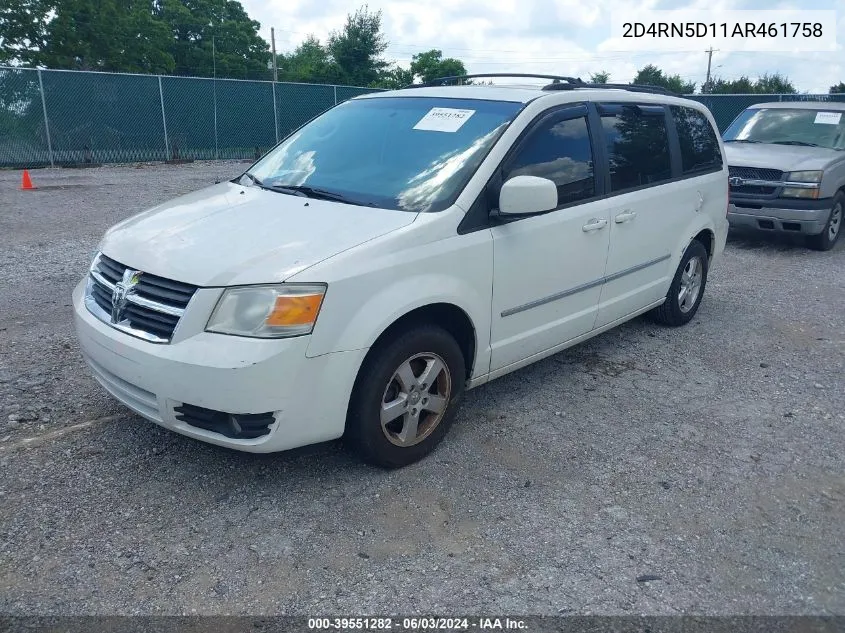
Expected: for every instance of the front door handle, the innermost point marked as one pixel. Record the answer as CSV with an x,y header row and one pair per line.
x,y
625,216
594,225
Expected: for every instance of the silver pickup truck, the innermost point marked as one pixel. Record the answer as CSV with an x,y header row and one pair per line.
x,y
787,169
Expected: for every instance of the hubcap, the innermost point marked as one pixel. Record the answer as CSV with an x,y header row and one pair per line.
x,y
835,222
690,284
415,399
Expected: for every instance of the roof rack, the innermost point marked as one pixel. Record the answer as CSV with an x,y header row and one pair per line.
x,y
559,82
442,81
629,87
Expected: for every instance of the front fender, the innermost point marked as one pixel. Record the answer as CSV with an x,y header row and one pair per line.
x,y
372,293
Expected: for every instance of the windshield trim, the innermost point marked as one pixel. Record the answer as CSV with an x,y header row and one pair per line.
x,y
459,189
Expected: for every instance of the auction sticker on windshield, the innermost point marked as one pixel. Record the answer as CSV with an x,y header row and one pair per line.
x,y
444,120
828,118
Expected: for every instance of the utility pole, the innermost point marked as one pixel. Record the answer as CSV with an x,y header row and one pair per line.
x,y
273,44
709,52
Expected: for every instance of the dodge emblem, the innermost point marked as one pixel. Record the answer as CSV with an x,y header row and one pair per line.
x,y
123,289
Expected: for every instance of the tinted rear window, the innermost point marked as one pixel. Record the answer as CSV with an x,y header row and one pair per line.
x,y
637,145
699,143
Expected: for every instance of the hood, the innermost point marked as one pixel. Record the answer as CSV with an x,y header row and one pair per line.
x,y
229,234
781,157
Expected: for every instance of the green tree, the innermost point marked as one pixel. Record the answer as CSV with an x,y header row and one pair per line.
x,y
431,65
838,88
600,77
23,30
358,48
652,76
395,78
214,33
134,36
310,62
743,85
774,84
114,35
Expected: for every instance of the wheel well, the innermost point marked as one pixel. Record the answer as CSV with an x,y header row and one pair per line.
x,y
446,315
706,238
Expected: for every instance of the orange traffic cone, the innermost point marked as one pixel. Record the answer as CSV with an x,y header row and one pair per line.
x,y
27,182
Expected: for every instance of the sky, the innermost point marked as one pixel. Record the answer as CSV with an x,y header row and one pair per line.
x,y
565,37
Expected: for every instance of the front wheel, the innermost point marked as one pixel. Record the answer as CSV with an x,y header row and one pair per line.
x,y
827,239
405,397
687,288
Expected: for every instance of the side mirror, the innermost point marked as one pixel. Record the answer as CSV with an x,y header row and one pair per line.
x,y
525,195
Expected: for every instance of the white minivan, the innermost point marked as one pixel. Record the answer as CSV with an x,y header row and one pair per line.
x,y
399,249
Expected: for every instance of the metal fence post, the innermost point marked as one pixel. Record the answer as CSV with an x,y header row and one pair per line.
x,y
216,148
164,121
275,111
46,121
335,95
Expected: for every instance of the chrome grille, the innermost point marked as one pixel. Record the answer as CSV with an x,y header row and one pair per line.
x,y
758,188
152,310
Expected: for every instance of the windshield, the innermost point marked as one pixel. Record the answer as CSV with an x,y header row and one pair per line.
x,y
407,153
820,128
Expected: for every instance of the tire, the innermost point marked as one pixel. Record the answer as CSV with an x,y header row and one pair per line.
x,y
390,380
827,239
679,309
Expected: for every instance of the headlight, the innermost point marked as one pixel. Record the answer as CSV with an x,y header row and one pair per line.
x,y
810,177
804,176
271,311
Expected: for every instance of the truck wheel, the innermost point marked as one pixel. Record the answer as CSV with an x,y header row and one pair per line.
x,y
826,240
405,397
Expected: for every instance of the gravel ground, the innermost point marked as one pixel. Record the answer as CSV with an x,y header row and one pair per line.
x,y
708,457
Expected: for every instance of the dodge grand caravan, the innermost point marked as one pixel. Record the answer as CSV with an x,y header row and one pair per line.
x,y
399,249
787,169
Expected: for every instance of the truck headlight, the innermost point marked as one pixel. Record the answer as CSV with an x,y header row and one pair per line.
x,y
267,311
811,190
805,176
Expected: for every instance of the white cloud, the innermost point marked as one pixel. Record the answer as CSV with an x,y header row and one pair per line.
x,y
567,37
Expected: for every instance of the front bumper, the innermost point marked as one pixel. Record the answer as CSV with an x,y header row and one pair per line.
x,y
789,216
307,396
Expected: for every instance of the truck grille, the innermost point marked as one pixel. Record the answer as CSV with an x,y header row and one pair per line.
x,y
152,309
755,173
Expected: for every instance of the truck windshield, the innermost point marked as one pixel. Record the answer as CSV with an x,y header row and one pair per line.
x,y
405,153
812,128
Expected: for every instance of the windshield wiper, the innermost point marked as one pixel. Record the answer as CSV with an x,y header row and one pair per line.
x,y
323,194
804,143
741,140
278,189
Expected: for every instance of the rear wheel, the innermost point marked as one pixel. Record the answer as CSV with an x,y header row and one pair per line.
x,y
405,396
827,239
687,288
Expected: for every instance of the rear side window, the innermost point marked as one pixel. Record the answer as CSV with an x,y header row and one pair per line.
x,y
637,145
699,144
560,151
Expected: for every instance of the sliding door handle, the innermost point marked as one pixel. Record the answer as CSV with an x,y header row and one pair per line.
x,y
625,216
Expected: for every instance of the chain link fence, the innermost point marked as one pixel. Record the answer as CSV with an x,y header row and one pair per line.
x,y
52,117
